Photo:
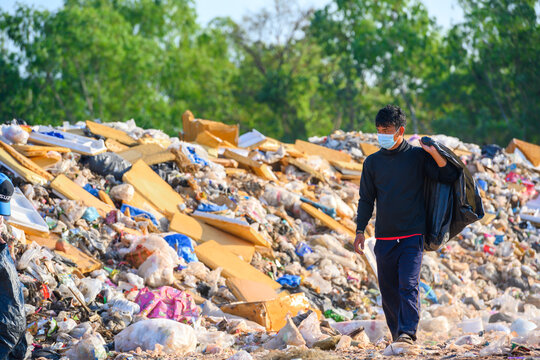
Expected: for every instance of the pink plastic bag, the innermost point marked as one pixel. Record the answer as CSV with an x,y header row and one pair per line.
x,y
167,303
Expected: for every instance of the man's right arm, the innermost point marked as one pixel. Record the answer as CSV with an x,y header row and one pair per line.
x,y
367,198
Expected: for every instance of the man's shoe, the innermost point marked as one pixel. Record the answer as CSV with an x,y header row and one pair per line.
x,y
404,338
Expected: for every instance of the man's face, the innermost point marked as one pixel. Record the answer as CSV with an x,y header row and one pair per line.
x,y
391,130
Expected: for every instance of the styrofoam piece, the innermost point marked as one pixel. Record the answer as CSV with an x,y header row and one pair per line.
x,y
369,252
242,152
250,138
80,144
24,215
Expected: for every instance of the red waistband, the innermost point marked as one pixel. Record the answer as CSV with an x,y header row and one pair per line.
x,y
398,237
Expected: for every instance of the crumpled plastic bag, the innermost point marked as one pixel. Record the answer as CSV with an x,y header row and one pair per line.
x,y
311,330
288,335
89,347
167,303
123,192
15,134
175,338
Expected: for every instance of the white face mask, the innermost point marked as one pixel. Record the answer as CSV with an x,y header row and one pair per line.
x,y
386,141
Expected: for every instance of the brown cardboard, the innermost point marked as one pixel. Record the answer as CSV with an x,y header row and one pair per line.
x,y
259,169
110,133
140,202
531,151
38,150
368,149
326,220
201,232
85,263
306,168
20,170
73,191
26,162
153,188
215,255
150,153
324,152
245,232
271,314
193,127
115,146
247,290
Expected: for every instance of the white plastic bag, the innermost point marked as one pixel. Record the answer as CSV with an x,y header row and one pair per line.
x,y
176,338
89,347
311,330
123,192
15,134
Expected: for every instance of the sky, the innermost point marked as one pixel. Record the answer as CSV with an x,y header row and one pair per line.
x,y
446,12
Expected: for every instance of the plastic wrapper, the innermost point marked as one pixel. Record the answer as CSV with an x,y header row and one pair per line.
x,y
90,288
174,337
91,346
311,330
15,134
107,163
122,192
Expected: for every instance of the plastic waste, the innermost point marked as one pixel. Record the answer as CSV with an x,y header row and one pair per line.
x,y
91,346
289,280
122,192
90,288
522,327
287,335
15,134
472,325
12,314
241,355
302,249
169,303
310,329
125,308
175,338
450,207
374,329
217,338
80,330
208,207
437,324
157,270
90,214
107,163
495,347
183,246
66,326
134,211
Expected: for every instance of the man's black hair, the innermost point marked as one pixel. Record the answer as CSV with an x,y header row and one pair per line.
x,y
391,115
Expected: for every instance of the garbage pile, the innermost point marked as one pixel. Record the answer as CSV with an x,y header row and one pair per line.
x,y
133,244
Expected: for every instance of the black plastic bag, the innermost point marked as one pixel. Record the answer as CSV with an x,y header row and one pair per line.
x,y
107,163
12,315
450,207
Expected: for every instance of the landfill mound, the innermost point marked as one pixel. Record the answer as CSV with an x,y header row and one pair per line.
x,y
132,244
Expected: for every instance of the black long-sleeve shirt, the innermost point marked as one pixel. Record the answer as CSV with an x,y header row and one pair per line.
x,y
395,178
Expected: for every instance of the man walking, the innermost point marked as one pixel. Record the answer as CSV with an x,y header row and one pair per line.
x,y
394,176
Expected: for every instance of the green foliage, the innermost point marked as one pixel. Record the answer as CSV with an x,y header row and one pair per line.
x,y
286,71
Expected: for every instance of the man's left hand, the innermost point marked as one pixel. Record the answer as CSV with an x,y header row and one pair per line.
x,y
430,149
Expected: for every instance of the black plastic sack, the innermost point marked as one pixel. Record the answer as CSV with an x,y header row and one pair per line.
x,y
12,315
107,163
450,207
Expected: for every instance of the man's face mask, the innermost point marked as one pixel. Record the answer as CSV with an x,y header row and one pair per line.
x,y
386,141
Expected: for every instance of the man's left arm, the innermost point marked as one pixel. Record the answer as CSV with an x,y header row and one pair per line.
x,y
438,168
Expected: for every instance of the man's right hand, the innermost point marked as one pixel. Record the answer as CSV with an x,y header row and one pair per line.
x,y
359,243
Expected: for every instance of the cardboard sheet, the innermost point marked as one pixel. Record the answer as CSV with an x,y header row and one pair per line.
x,y
201,232
26,162
70,190
271,314
306,168
110,133
324,152
368,149
13,165
531,151
193,127
247,290
153,188
115,146
150,153
38,150
214,255
140,202
236,227
85,264
326,220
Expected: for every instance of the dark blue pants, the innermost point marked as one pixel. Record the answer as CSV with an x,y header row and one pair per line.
x,y
398,269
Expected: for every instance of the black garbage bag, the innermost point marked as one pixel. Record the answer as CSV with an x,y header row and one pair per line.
x,y
107,163
450,207
12,315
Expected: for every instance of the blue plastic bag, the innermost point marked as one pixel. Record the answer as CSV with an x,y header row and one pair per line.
x,y
208,207
133,211
194,158
302,249
429,293
90,214
289,280
92,190
183,246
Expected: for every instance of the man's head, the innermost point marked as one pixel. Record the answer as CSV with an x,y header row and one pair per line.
x,y
6,191
390,122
